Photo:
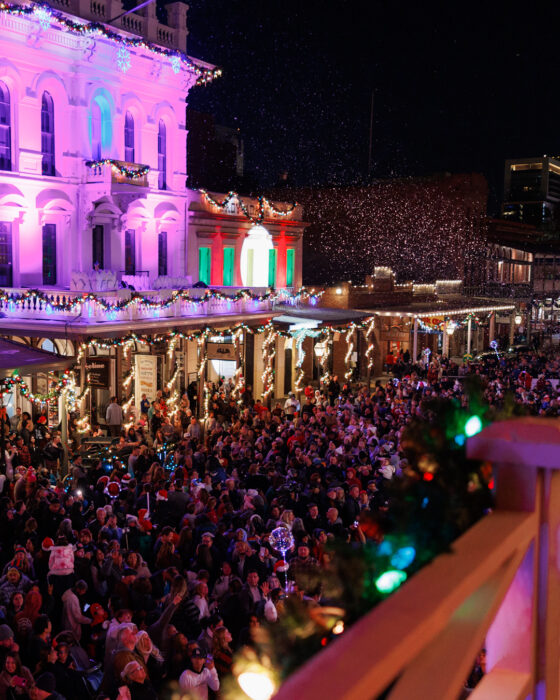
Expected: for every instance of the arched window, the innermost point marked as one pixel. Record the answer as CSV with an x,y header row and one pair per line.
x,y
96,119
5,129
162,156
129,138
101,128
162,253
47,134
49,254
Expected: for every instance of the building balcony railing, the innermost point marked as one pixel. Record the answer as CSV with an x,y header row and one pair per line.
x,y
116,174
498,588
125,305
138,23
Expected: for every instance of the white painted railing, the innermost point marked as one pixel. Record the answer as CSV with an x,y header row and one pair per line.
x,y
89,311
499,587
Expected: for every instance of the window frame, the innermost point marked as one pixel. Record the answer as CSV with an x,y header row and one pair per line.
x,y
6,163
129,150
49,242
48,165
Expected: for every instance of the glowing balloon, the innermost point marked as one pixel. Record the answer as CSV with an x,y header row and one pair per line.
x,y
281,539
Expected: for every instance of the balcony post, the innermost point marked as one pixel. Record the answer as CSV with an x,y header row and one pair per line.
x,y
527,461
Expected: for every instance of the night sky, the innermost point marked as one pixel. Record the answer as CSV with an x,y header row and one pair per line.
x,y
458,87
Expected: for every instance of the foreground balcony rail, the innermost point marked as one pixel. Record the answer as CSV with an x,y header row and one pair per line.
x,y
499,587
127,305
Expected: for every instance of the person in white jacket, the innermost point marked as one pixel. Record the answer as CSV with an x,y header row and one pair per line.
x,y
202,677
72,617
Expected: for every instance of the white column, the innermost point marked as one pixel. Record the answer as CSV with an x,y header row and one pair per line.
x,y
492,329
445,342
469,334
415,341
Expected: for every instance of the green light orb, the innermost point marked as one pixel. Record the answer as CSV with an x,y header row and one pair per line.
x,y
473,426
390,581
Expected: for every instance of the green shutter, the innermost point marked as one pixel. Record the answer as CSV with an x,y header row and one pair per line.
x,y
229,257
290,263
204,265
272,267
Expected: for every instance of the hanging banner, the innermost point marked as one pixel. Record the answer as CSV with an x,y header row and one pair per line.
x,y
145,377
220,351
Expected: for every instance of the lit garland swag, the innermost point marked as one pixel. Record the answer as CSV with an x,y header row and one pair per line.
x,y
47,15
118,167
262,202
440,495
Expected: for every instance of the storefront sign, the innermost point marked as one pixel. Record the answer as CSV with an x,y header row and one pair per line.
x,y
97,371
221,351
145,377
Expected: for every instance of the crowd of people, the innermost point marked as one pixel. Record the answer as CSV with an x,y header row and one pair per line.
x,y
148,568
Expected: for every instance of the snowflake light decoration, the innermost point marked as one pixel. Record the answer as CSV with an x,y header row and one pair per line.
x,y
43,16
175,63
123,59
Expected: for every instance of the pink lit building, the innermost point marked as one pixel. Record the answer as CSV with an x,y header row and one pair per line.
x,y
92,189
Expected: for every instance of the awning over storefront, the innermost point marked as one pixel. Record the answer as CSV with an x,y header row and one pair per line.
x,y
15,356
315,317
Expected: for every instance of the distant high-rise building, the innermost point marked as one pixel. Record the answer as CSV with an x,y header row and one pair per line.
x,y
532,191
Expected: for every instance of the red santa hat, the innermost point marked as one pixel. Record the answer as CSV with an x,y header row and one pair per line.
x,y
161,495
47,544
113,489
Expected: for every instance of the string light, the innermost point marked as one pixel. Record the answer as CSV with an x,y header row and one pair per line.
x,y
369,350
174,378
172,344
349,349
300,335
129,377
269,353
206,400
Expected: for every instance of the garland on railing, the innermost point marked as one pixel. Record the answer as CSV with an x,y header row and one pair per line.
x,y
118,167
58,304
46,16
262,202
64,383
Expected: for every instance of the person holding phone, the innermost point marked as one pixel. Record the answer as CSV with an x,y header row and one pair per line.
x,y
203,675
15,679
